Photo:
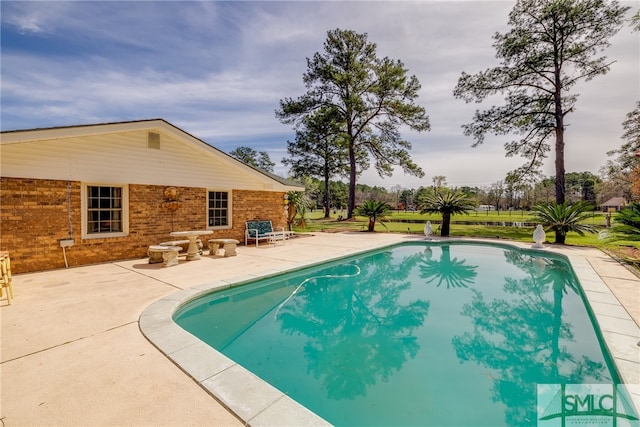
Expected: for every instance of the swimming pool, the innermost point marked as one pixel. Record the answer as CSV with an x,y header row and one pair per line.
x,y
463,328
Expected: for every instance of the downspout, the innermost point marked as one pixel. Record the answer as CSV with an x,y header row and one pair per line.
x,y
65,243
69,209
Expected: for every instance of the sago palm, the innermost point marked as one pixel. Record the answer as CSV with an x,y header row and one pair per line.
x,y
562,218
375,210
447,203
627,223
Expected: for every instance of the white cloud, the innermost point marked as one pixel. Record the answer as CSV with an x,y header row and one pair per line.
x,y
28,24
219,69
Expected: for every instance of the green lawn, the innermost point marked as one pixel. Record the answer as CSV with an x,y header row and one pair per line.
x,y
597,218
316,222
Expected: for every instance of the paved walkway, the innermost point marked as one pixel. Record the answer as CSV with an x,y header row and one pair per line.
x,y
72,353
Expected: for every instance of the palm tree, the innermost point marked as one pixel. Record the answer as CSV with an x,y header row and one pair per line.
x,y
562,218
375,210
447,203
297,206
627,223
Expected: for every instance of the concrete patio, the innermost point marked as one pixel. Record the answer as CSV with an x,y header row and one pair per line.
x,y
72,352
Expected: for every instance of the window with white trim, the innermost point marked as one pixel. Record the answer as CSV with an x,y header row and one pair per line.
x,y
105,210
219,208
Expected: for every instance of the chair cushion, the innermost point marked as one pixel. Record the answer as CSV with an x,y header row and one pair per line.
x,y
262,227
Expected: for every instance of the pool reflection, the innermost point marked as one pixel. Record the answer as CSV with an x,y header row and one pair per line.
x,y
520,338
357,335
455,273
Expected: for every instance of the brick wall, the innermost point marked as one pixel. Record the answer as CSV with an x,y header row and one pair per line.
x,y
34,216
257,205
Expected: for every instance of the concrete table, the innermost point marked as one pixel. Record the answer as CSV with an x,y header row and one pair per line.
x,y
193,252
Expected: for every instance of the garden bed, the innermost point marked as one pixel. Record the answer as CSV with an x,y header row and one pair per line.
x,y
628,255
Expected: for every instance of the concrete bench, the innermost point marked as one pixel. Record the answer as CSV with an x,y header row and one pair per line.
x,y
184,244
229,246
167,255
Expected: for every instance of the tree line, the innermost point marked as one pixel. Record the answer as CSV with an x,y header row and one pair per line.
x,y
501,195
355,104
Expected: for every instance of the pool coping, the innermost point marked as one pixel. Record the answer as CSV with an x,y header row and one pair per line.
x,y
258,403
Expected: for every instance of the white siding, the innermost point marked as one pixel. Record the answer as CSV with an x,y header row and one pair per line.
x,y
123,157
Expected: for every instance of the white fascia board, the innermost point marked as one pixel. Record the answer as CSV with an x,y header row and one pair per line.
x,y
23,136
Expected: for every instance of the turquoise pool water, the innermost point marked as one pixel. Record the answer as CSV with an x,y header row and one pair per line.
x,y
452,334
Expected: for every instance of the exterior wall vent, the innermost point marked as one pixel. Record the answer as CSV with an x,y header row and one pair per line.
x,y
153,140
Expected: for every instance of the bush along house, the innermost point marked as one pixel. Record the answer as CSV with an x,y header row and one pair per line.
x,y
78,195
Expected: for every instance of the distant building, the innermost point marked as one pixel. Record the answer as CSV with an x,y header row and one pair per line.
x,y
614,204
486,208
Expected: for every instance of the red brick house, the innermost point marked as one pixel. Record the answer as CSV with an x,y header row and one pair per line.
x,y
116,188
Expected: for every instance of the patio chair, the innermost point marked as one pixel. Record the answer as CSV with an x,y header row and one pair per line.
x,y
5,276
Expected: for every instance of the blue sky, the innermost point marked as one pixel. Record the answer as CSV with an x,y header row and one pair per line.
x,y
219,69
